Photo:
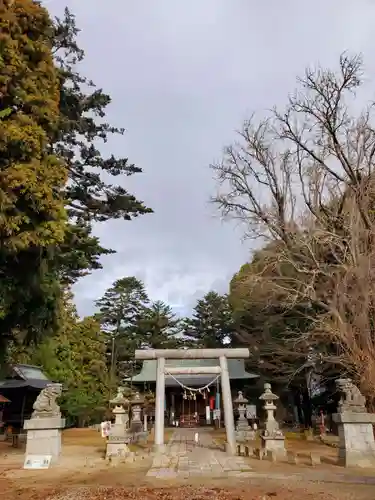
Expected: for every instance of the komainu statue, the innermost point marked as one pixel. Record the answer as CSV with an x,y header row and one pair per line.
x,y
351,398
45,405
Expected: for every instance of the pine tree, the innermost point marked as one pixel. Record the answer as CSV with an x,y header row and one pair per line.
x,y
92,193
120,311
51,125
211,325
91,198
159,328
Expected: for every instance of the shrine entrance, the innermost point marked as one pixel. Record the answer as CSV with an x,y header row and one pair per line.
x,y
194,402
189,414
193,407
217,371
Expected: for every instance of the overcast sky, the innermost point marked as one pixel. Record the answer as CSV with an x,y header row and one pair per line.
x,y
183,75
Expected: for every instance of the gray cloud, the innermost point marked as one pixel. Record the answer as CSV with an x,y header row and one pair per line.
x,y
183,76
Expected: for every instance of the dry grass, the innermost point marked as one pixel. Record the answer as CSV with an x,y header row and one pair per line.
x,y
92,438
82,437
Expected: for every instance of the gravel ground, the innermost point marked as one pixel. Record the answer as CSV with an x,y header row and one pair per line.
x,y
252,492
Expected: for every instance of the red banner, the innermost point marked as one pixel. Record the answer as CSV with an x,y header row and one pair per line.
x,y
212,402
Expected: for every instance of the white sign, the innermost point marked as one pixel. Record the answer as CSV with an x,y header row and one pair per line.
x,y
217,414
251,411
105,428
37,461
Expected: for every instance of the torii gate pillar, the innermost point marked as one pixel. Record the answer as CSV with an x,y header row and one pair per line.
x,y
159,402
222,354
228,407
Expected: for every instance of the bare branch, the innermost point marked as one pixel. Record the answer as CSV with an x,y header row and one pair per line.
x,y
304,179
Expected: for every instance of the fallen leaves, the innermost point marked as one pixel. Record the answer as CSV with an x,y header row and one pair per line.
x,y
186,493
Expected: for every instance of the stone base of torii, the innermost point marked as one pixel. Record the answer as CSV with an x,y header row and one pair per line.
x,y
160,355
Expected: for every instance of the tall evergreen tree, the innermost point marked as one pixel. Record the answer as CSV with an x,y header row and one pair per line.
x,y
32,176
52,186
120,311
75,356
211,325
81,128
159,328
91,193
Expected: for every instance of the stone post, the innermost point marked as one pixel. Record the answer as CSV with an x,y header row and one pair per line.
x,y
272,437
145,429
231,445
159,403
44,427
355,427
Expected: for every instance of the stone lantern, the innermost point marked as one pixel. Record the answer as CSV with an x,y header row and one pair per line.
x,y
137,403
272,436
117,443
243,430
148,408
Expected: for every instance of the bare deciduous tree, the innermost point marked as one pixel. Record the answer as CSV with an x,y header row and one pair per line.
x,y
304,178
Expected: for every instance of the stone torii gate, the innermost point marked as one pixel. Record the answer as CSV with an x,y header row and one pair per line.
x,y
222,354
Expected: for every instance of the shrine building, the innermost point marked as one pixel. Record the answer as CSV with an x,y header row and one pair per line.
x,y
190,408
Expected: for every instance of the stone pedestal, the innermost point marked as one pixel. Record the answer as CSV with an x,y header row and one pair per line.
x,y
355,426
247,434
140,437
44,436
356,439
117,447
273,443
117,442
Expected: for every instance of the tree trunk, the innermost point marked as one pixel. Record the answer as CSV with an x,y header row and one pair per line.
x,y
307,409
297,402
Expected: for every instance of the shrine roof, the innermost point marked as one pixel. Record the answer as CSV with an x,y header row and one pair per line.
x,y
236,368
22,376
